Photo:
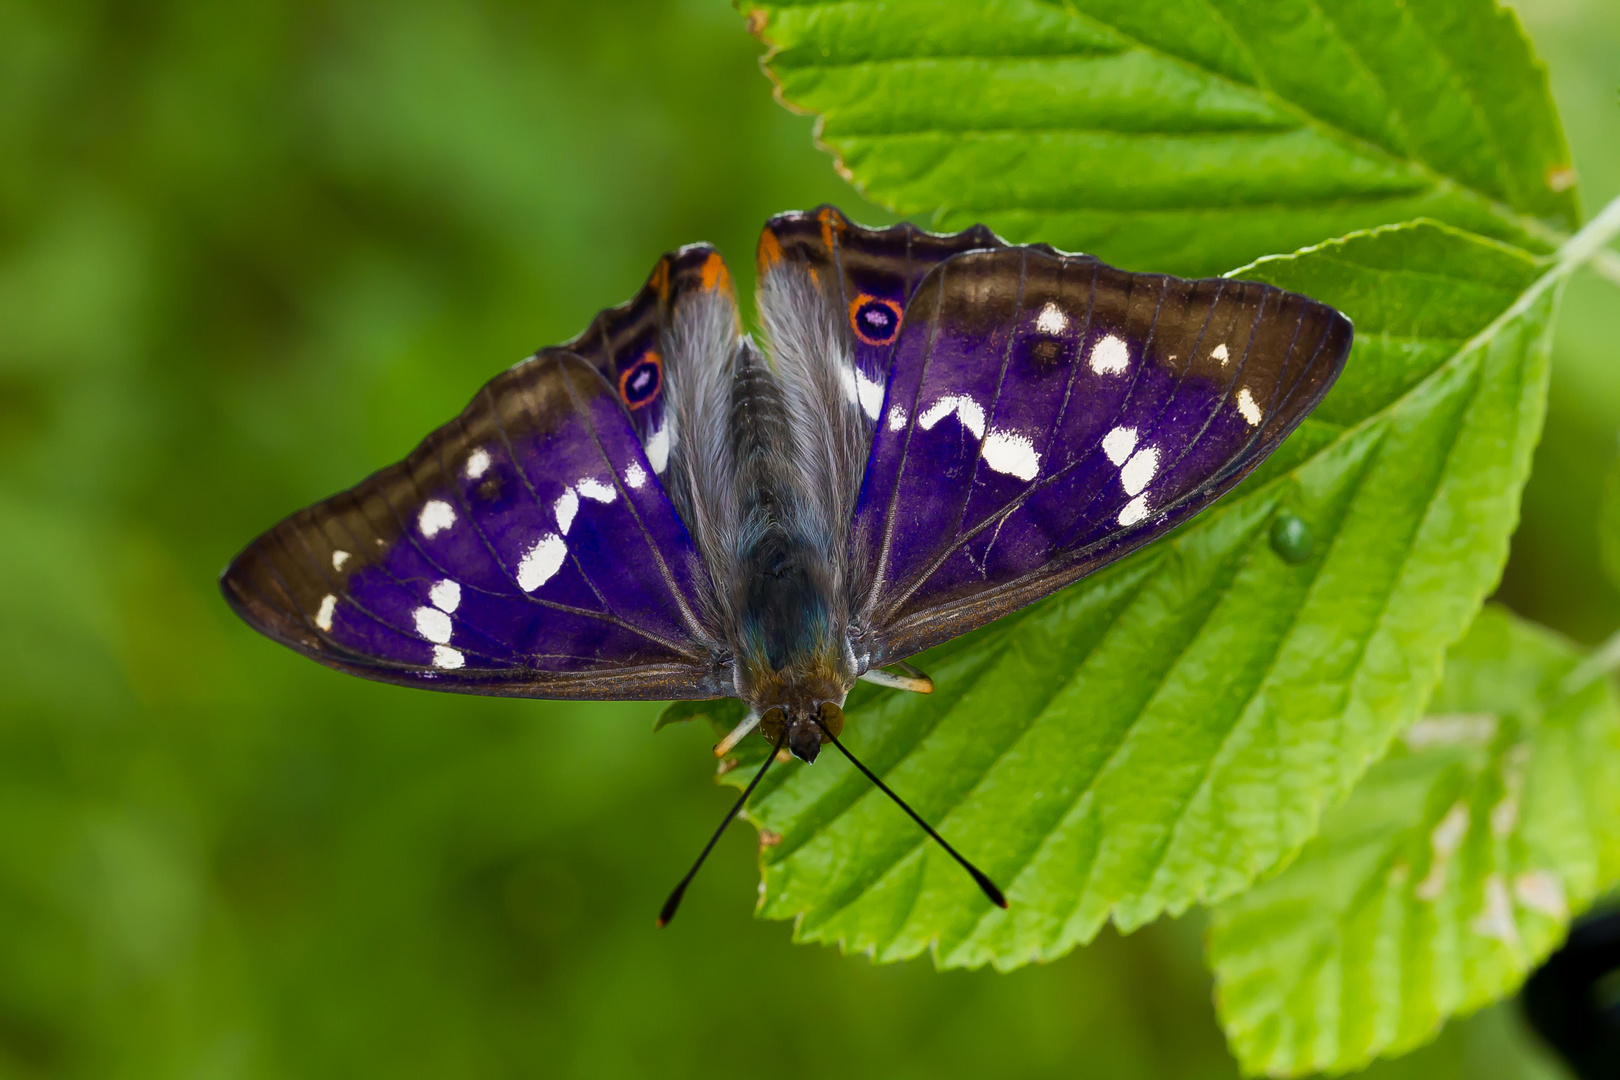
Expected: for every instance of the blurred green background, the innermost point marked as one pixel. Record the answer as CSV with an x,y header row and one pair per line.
x,y
248,253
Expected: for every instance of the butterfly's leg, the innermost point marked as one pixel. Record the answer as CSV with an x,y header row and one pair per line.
x,y
909,678
749,723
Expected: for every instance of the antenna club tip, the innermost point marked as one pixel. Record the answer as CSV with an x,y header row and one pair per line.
x,y
660,922
997,897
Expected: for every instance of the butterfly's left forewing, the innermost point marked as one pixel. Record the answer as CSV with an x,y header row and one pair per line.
x,y
525,548
1046,414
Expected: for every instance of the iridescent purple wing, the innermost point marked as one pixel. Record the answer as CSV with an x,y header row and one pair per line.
x,y
1045,414
526,548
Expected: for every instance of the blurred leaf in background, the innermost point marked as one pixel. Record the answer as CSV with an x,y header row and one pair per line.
x,y
249,252
1448,874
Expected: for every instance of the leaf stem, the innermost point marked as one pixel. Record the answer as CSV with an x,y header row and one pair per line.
x,y
1576,252
1601,661
1606,265
1589,244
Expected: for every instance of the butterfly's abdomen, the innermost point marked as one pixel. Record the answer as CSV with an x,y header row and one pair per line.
x,y
786,614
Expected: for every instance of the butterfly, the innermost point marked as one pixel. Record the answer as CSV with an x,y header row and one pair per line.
x,y
932,431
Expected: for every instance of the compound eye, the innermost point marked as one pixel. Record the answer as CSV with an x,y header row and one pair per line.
x,y
640,383
875,320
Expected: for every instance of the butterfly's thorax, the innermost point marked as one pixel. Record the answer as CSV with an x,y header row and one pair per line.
x,y
790,611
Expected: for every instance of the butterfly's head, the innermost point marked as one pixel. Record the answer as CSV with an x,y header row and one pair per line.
x,y
804,733
792,698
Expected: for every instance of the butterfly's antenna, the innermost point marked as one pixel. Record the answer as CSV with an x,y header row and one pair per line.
x,y
979,876
674,900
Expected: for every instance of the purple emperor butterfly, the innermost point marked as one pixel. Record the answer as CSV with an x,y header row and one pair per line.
x,y
935,431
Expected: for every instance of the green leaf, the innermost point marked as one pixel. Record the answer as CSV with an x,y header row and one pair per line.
x,y
713,710
1185,135
1172,727
1450,872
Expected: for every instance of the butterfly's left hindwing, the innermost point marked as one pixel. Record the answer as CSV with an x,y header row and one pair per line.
x,y
525,548
1045,414
637,347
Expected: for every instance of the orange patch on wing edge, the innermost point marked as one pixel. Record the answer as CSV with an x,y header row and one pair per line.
x,y
714,273
769,252
660,279
829,223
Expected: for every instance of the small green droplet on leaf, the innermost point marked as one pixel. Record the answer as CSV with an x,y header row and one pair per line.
x,y
1291,538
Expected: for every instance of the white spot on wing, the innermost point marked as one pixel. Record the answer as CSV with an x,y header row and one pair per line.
x,y
1011,453
635,476
658,449
1220,353
1119,443
846,378
871,394
1246,406
1051,320
566,506
1110,356
446,657
477,463
897,417
446,595
597,491
435,517
323,617
1134,511
968,411
338,559
1140,470
542,561
432,624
